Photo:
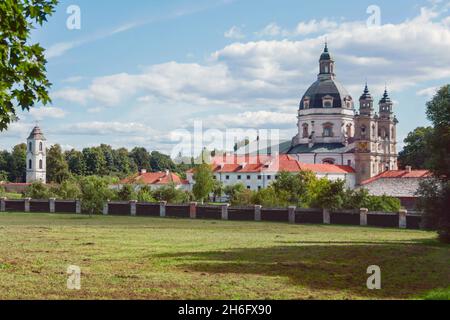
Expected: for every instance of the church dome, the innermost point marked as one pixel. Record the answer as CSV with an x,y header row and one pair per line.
x,y
323,89
326,92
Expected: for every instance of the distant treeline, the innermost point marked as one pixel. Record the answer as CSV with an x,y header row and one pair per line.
x,y
102,161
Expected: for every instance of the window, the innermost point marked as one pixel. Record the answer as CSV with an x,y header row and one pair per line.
x,y
269,177
249,177
40,146
259,177
349,163
363,131
327,102
305,131
239,177
248,187
227,177
40,164
30,146
30,164
306,103
328,161
328,130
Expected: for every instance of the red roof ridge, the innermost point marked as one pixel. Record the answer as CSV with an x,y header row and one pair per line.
x,y
399,174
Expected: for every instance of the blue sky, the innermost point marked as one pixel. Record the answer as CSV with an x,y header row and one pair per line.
x,y
139,70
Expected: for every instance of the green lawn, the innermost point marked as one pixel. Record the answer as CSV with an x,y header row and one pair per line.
x,y
152,258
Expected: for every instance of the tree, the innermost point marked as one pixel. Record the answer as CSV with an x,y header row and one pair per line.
x,y
69,189
141,158
22,65
75,160
299,187
435,193
122,162
126,193
38,190
145,195
57,167
95,192
218,189
94,161
171,194
161,162
331,195
18,164
415,152
270,198
204,182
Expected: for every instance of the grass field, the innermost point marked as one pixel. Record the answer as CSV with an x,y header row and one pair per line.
x,y
147,258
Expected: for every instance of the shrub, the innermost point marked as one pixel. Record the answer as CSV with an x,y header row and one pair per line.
x,y
171,194
38,190
126,193
95,192
270,198
68,190
145,195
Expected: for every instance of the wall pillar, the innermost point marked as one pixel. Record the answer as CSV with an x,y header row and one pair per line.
x,y
77,206
27,204
402,219
326,216
52,204
292,214
363,216
193,210
3,204
225,211
162,209
258,209
106,208
133,209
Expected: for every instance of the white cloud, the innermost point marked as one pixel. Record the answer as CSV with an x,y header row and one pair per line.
x,y
257,119
428,92
234,33
271,30
42,113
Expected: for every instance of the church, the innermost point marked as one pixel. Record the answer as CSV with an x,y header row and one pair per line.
x,y
332,131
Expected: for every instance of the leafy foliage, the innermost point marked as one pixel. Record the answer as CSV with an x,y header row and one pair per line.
x,y
23,81
57,167
204,182
95,192
38,190
415,152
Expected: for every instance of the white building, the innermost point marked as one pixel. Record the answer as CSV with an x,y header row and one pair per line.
x,y
258,172
332,131
36,156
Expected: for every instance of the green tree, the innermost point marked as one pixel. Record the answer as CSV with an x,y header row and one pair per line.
x,y
141,158
415,153
94,161
218,189
95,192
331,195
204,182
122,162
161,162
145,195
17,165
38,190
435,194
57,167
270,198
126,193
69,189
22,64
171,194
75,160
299,187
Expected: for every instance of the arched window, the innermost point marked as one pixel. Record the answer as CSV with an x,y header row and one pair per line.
x,y
328,130
363,131
306,103
40,164
328,161
305,131
30,147
30,164
40,146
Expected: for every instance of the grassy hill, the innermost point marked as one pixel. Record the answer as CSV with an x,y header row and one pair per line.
x,y
151,258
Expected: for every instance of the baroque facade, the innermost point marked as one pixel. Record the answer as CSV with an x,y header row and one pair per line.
x,y
332,131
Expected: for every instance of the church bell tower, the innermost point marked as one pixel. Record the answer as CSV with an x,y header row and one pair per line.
x,y
36,156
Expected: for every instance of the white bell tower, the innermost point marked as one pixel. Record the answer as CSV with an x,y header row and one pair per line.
x,y
36,156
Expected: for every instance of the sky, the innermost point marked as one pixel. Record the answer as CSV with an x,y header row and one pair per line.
x,y
142,73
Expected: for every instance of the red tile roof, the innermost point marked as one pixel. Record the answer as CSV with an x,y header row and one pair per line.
x,y
155,178
254,164
400,174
